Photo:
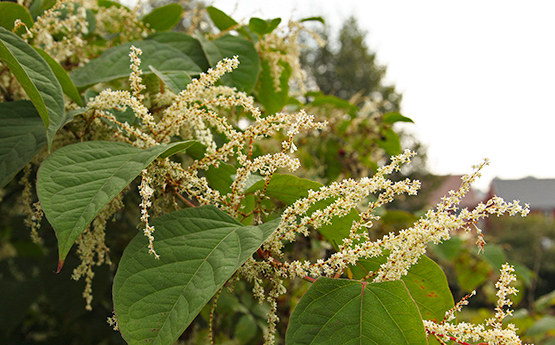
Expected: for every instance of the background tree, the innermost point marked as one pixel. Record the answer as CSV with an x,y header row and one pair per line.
x,y
347,68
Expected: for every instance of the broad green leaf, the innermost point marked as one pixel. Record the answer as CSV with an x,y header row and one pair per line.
x,y
340,311
186,44
395,117
429,288
22,136
77,181
114,63
262,27
220,19
243,77
12,11
177,81
164,18
223,21
200,249
65,81
272,98
36,78
290,188
425,281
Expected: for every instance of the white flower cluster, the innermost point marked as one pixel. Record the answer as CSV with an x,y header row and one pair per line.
x,y
72,25
146,192
404,248
495,334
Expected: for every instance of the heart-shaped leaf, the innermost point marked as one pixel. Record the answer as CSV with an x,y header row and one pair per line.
x,y
77,181
340,311
22,136
36,78
200,249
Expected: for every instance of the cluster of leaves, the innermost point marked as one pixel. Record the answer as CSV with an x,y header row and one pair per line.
x,y
87,163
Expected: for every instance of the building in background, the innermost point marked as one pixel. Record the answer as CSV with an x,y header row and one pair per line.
x,y
538,193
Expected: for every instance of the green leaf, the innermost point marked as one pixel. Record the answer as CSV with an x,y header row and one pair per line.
x,y
200,249
286,188
65,81
36,78
22,136
114,63
223,21
395,117
186,44
110,3
425,281
429,288
177,81
243,77
181,146
164,18
313,19
262,27
339,311
12,11
220,19
273,99
77,181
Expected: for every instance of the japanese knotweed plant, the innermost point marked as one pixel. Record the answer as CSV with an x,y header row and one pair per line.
x,y
205,128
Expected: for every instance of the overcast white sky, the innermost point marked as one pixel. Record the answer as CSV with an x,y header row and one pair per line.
x,y
477,77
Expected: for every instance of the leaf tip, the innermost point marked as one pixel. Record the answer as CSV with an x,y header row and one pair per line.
x,y
60,265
